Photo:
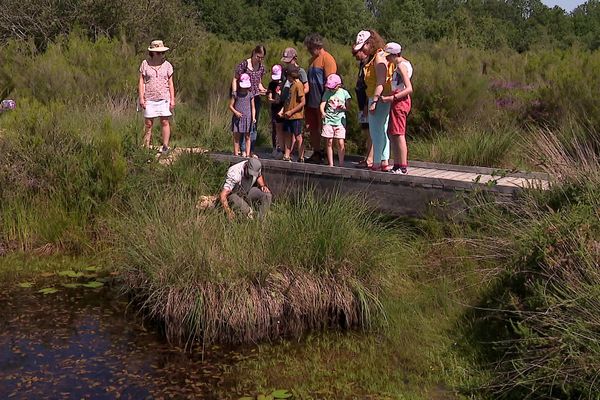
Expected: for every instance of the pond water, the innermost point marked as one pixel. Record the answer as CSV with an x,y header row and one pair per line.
x,y
86,344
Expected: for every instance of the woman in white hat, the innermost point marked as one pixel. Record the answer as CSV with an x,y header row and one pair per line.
x,y
156,92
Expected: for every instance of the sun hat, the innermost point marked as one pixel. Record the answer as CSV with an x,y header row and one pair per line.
x,y
276,72
392,48
289,54
157,45
361,38
245,81
333,81
254,167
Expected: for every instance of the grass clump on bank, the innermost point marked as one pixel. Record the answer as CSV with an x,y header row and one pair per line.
x,y
540,328
313,263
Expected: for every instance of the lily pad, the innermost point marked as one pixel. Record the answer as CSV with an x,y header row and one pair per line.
x,y
48,290
25,284
93,284
281,394
70,273
72,285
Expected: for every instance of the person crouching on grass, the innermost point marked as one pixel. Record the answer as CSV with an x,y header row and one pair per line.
x,y
244,115
156,93
293,113
401,104
333,110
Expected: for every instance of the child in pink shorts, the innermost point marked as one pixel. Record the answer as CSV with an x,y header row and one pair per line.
x,y
333,110
401,104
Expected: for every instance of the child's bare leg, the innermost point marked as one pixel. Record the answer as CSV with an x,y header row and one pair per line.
x,y
247,139
403,151
279,132
395,148
147,140
166,130
330,151
292,144
236,143
341,152
287,140
300,146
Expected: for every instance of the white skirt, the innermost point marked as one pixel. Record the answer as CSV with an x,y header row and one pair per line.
x,y
158,108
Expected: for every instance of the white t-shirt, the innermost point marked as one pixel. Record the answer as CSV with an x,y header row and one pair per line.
x,y
235,176
397,81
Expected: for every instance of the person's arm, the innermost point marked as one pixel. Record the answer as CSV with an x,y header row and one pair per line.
x,y
329,66
381,74
171,93
260,181
234,86
322,108
232,109
141,91
270,98
253,107
223,198
408,89
306,89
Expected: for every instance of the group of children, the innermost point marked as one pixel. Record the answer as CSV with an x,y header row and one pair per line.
x,y
286,94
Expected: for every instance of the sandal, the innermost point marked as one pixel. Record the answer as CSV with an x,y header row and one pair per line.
x,y
386,168
363,164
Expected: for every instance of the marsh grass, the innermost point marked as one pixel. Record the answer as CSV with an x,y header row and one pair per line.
x,y
538,325
304,267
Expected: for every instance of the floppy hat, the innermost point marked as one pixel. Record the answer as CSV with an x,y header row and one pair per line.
x,y
276,72
333,81
245,81
392,48
254,167
157,45
289,54
361,38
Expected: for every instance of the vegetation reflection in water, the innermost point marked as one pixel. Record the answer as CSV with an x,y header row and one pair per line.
x,y
60,341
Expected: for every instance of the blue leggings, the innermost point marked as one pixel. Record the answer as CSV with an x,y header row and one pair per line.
x,y
378,124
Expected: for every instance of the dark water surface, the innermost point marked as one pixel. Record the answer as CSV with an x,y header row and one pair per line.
x,y
84,344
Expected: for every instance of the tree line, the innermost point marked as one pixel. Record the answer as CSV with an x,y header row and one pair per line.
x,y
517,24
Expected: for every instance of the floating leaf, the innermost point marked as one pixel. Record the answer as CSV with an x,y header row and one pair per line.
x,y
25,284
91,268
70,273
281,394
246,398
93,284
72,285
48,290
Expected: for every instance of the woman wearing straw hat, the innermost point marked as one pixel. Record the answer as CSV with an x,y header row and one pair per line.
x,y
156,92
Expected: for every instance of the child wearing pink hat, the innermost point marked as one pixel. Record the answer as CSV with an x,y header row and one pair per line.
x,y
333,111
244,115
276,101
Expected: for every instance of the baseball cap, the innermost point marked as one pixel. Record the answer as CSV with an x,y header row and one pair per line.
x,y
392,48
333,81
254,167
289,54
361,38
276,72
244,81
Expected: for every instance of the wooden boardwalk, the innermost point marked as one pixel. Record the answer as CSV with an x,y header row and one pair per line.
x,y
425,186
